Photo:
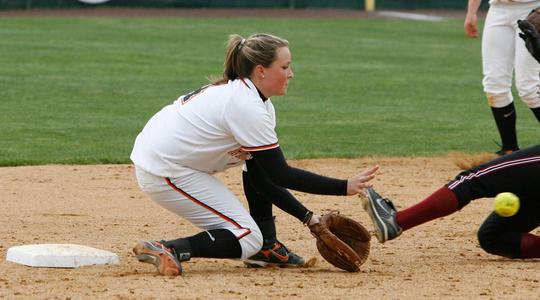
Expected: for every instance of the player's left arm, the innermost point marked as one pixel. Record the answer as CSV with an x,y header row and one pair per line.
x,y
273,162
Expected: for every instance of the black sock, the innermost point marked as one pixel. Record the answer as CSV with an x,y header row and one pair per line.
x,y
182,248
267,226
505,118
217,243
536,112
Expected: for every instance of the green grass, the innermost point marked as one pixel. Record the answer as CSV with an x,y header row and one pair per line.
x,y
79,90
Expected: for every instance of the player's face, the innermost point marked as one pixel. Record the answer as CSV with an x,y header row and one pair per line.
x,y
278,74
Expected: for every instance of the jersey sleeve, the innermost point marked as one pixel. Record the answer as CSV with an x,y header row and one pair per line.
x,y
252,124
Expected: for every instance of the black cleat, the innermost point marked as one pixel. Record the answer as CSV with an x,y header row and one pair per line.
x,y
383,215
505,151
276,256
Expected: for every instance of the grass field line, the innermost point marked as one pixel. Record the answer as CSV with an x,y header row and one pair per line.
x,y
410,16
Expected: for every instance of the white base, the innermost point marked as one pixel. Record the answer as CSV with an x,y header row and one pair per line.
x,y
60,256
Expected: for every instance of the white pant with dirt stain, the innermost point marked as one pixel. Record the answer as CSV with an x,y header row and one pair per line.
x,y
503,52
204,201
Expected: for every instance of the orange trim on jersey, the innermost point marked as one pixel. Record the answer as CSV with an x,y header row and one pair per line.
x,y
224,217
260,148
248,231
242,79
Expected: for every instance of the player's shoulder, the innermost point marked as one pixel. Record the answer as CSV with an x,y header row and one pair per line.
x,y
244,93
243,85
245,103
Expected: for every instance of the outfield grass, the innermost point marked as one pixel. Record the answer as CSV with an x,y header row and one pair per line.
x,y
79,90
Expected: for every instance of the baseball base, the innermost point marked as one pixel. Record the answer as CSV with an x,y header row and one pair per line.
x,y
60,256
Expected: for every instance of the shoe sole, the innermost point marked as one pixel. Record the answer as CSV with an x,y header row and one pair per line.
x,y
261,264
163,263
381,234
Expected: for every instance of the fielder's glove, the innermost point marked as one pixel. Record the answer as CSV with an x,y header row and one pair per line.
x,y
342,241
531,38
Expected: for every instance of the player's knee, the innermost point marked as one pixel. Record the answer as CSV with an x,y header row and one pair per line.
x,y
491,242
488,242
499,99
252,242
531,98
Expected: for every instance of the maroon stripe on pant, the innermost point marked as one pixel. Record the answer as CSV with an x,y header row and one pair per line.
x,y
194,200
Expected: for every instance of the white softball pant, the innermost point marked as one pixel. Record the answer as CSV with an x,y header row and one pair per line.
x,y
204,201
503,52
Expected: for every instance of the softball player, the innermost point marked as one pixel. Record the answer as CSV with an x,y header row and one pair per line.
x,y
218,126
518,173
502,54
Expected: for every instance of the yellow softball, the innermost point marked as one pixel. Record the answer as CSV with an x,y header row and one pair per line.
x,y
506,204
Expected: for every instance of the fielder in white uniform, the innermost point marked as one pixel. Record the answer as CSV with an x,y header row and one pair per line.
x,y
218,126
504,54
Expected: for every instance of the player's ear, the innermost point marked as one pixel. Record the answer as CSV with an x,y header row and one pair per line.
x,y
259,71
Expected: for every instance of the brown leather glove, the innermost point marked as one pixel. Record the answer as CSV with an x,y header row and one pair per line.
x,y
342,241
529,32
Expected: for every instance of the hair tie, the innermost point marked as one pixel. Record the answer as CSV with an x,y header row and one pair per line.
x,y
240,45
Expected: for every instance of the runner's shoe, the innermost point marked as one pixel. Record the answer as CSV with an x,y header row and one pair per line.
x,y
383,215
276,256
160,256
505,151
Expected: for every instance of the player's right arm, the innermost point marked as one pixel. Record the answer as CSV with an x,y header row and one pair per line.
x,y
471,19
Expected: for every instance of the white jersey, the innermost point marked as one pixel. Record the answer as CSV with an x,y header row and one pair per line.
x,y
207,130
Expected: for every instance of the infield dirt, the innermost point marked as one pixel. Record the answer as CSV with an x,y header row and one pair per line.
x,y
102,206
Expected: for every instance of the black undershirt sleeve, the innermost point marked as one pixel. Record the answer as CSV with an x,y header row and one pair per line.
x,y
273,164
258,187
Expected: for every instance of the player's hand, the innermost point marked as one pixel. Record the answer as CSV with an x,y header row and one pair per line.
x,y
531,38
359,182
314,219
471,25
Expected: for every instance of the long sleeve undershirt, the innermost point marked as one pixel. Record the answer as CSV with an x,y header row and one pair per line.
x,y
270,174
